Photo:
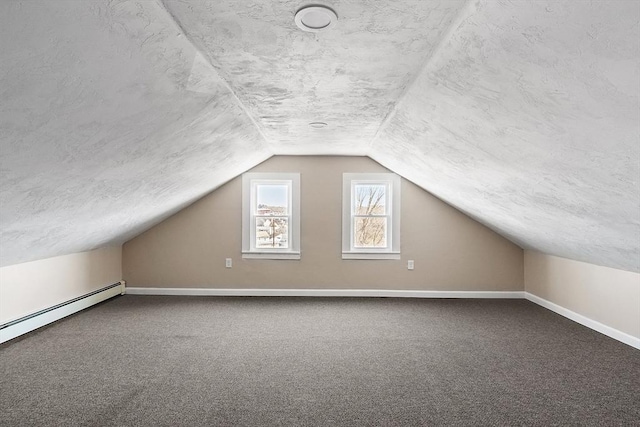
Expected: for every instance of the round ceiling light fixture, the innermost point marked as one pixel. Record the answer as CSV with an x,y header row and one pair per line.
x,y
315,18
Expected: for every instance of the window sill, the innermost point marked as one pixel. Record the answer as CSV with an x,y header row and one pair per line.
x,y
370,255
271,255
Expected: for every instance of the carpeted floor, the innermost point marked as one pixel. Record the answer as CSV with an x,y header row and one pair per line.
x,y
182,361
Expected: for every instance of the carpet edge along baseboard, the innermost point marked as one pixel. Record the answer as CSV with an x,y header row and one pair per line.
x,y
585,321
40,318
376,293
44,317
322,292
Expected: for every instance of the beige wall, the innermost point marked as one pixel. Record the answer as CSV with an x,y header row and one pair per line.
x,y
451,251
33,286
606,295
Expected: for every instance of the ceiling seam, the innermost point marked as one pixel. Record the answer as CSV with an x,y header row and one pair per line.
x,y
506,235
463,14
224,81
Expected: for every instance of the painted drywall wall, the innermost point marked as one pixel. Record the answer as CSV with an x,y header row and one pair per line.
x,y
451,251
603,294
32,286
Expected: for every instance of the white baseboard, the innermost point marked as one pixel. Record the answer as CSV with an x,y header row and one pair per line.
x,y
19,327
41,318
585,321
324,293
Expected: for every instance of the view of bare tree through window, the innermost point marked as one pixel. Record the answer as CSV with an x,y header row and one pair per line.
x,y
272,220
370,228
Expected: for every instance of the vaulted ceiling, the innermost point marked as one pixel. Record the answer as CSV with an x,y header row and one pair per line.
x,y
523,114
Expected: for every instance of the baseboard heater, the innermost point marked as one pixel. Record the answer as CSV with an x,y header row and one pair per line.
x,y
33,321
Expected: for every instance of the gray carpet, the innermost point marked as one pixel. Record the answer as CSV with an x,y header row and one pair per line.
x,y
182,361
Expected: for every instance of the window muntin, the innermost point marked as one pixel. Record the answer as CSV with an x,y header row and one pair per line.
x,y
369,213
271,226
270,214
371,216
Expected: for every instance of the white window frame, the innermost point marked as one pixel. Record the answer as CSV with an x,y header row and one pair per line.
x,y
250,181
392,183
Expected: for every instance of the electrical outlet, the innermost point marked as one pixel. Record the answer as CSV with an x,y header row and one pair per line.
x,y
228,263
410,264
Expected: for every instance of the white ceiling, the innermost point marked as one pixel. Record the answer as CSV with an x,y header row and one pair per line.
x,y
523,114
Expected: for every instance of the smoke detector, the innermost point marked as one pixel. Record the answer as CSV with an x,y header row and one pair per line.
x,y
315,18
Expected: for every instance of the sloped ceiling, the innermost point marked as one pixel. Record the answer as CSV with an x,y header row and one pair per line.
x,y
523,114
110,121
528,119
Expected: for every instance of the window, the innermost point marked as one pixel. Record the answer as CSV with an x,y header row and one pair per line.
x,y
271,215
371,216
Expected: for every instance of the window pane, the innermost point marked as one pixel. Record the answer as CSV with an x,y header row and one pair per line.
x,y
272,199
272,232
370,232
370,199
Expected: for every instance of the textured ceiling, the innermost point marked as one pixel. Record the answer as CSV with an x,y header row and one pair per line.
x,y
528,119
349,77
109,121
523,114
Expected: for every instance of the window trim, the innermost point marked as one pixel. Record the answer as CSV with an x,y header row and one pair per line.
x,y
393,200
249,183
